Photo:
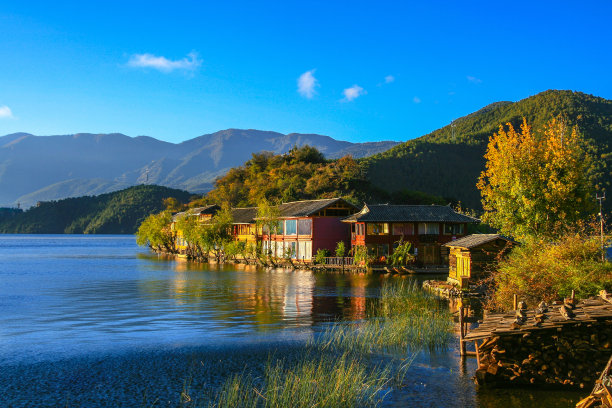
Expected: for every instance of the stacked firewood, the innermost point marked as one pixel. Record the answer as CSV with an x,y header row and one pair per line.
x,y
568,355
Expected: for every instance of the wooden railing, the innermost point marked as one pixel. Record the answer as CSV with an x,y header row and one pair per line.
x,y
339,260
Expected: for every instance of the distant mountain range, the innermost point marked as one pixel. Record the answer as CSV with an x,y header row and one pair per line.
x,y
43,168
448,161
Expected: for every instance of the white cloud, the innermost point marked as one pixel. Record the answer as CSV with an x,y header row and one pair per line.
x,y
473,79
163,64
389,79
307,83
416,99
5,112
353,93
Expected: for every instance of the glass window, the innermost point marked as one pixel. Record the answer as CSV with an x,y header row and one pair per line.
x,y
305,227
452,229
403,229
379,228
429,228
290,227
280,230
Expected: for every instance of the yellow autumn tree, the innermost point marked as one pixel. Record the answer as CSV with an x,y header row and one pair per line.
x,y
536,183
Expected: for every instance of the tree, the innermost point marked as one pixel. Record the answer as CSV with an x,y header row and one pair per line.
x,y
536,184
217,233
155,232
268,220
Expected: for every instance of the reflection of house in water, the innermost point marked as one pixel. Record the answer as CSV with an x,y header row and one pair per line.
x,y
341,296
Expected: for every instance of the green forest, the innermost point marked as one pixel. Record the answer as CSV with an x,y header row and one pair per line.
x,y
302,174
448,161
119,212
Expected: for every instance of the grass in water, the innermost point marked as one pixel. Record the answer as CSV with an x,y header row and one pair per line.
x,y
337,368
321,380
406,317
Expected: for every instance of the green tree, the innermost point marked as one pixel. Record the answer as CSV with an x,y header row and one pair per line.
x,y
217,233
155,232
536,183
268,220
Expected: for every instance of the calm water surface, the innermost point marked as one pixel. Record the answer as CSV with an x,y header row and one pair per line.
x,y
97,321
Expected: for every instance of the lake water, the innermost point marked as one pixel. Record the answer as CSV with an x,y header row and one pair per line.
x,y
97,321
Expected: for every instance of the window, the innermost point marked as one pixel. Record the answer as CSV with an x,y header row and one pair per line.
x,y
403,229
429,228
453,229
305,227
280,230
290,227
378,228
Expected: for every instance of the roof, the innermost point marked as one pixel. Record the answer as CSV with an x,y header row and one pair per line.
x,y
409,213
475,240
244,215
207,209
308,207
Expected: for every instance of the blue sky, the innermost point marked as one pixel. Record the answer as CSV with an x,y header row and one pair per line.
x,y
369,70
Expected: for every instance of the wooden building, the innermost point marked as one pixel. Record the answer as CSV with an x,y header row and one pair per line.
x,y
203,213
470,256
381,227
310,225
244,225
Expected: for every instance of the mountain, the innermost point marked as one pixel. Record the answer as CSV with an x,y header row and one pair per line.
x,y
38,168
120,212
448,161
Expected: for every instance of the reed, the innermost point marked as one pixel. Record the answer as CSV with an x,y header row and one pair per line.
x,y
406,317
317,380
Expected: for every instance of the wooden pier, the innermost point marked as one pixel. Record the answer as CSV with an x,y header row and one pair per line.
x,y
554,351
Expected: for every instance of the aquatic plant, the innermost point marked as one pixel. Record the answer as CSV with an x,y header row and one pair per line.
x,y
323,380
405,317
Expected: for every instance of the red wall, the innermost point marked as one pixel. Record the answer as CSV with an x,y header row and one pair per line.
x,y
327,232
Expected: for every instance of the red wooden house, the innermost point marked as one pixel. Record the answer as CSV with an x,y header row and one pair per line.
x,y
307,226
427,227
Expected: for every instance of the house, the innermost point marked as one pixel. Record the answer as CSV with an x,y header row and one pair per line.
x,y
381,227
202,213
307,226
470,256
244,225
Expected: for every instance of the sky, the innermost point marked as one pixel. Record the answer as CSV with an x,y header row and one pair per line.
x,y
353,70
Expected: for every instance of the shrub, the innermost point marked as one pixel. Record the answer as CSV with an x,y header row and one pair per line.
x,y
543,270
340,249
321,255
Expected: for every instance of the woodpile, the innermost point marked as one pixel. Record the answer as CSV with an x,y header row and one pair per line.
x,y
566,346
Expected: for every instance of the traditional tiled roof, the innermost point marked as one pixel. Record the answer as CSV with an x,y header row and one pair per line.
x,y
308,207
409,213
244,215
475,240
208,209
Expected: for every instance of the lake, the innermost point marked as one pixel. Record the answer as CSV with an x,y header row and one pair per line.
x,y
97,321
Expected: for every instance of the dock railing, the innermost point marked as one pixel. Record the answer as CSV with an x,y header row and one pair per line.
x,y
339,261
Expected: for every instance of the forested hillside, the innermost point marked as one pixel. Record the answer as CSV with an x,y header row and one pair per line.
x,y
301,174
442,164
120,212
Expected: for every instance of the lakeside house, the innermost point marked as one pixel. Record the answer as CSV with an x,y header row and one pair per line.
x,y
307,226
381,227
244,226
471,256
203,213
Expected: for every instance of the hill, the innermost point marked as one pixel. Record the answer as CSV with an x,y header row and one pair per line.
x,y
442,164
120,212
37,168
301,174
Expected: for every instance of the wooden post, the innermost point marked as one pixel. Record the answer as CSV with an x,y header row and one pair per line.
x,y
461,333
515,302
573,294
